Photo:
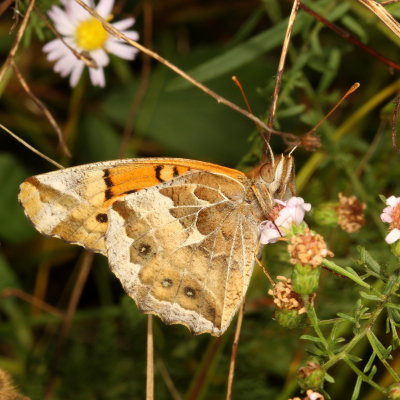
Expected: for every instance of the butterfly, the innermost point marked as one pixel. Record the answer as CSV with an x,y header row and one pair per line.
x,y
179,234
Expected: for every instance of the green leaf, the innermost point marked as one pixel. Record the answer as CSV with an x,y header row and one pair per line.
x,y
8,280
353,25
240,55
311,338
394,306
347,317
354,358
367,259
330,72
369,363
349,272
357,387
378,346
382,198
371,297
97,140
14,226
373,372
329,378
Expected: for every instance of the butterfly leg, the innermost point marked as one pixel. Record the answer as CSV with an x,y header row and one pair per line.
x,y
260,264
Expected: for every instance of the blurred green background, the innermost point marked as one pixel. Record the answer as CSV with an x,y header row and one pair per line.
x,y
104,353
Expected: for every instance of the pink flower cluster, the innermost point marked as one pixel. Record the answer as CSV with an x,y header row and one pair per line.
x,y
292,212
391,215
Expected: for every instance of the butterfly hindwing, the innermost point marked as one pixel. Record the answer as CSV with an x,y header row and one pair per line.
x,y
183,250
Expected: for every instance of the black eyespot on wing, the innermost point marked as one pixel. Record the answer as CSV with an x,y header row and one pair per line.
x,y
167,283
101,217
189,292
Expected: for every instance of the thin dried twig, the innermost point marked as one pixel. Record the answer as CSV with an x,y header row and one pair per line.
x,y
75,296
42,107
167,379
31,148
17,41
281,65
144,77
115,32
383,15
235,345
150,360
32,300
202,373
394,122
4,6
15,17
346,35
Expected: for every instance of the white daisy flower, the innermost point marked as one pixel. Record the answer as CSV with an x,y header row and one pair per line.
x,y
86,34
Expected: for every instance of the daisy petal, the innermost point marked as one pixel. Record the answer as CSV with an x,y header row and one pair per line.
x,y
105,7
62,22
66,64
97,77
53,45
131,35
101,57
76,12
76,74
124,24
121,50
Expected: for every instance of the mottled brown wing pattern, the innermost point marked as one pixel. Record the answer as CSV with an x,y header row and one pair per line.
x,y
184,250
72,204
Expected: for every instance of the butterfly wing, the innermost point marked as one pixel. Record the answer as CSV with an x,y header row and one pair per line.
x,y
72,204
183,250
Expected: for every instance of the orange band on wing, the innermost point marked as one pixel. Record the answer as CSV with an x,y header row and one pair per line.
x,y
129,178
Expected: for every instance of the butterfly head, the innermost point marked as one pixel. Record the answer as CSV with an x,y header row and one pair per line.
x,y
279,176
274,180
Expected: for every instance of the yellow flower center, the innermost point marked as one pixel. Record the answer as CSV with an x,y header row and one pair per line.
x,y
90,35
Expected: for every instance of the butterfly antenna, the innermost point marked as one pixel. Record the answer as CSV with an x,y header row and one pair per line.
x,y
352,89
271,153
294,148
239,85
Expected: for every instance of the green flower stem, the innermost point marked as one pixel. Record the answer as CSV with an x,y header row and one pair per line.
x,y
314,321
361,374
334,267
343,354
380,356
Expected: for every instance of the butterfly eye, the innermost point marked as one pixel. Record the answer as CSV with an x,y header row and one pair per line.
x,y
267,173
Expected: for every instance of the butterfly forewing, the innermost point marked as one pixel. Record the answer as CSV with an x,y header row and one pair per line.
x,y
72,204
